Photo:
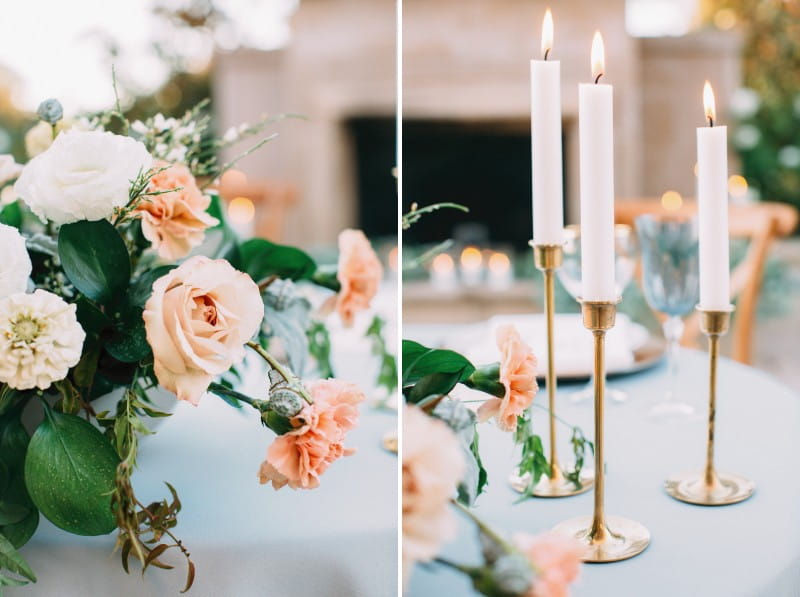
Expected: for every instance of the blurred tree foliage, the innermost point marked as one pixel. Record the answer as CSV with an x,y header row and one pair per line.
x,y
768,133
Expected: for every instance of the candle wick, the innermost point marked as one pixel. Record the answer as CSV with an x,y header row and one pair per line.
x,y
546,53
597,79
711,121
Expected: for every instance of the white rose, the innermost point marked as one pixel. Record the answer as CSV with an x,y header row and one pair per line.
x,y
15,266
83,175
9,169
40,339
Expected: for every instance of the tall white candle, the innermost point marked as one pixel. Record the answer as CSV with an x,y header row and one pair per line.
x,y
596,132
712,198
548,194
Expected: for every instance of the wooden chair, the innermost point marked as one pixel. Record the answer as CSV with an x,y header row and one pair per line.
x,y
272,200
759,223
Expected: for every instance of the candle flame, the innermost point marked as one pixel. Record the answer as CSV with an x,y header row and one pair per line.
x,y
709,104
598,57
547,33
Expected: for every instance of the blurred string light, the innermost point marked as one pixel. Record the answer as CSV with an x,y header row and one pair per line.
x,y
66,49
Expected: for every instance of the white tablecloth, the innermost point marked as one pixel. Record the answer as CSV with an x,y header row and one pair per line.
x,y
751,549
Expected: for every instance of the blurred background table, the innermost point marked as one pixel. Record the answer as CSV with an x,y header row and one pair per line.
x,y
751,549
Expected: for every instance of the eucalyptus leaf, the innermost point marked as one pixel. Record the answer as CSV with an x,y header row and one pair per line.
x,y
463,423
95,259
69,472
287,316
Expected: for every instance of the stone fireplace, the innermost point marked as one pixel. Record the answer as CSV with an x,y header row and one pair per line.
x,y
466,74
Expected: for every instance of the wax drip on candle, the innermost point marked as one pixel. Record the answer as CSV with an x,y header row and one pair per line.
x,y
547,33
598,57
709,104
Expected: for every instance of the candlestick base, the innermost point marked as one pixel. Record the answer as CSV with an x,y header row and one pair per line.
x,y
726,489
619,539
558,486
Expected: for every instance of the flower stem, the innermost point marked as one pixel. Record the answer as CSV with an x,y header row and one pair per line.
x,y
484,528
287,375
217,388
454,565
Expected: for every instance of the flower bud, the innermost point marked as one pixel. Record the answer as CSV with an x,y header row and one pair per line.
x,y
50,111
286,402
513,574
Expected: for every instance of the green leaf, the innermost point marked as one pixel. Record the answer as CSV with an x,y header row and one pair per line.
x,y
278,423
435,384
20,515
261,259
95,259
129,343
420,361
13,562
69,471
11,215
91,318
142,287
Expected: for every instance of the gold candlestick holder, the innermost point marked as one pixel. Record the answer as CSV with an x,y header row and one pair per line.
x,y
711,488
548,258
606,538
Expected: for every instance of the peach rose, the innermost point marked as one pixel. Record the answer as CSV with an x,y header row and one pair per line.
x,y
198,319
556,559
175,222
518,376
433,464
299,457
359,274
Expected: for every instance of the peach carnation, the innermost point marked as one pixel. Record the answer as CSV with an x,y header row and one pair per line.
x,y
175,222
299,457
359,274
518,376
555,558
433,464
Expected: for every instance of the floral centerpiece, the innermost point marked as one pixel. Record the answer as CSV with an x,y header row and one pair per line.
x,y
443,469
120,276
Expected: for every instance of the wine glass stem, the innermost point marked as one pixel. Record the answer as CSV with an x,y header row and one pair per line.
x,y
673,332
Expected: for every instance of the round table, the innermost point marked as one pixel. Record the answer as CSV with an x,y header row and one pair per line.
x,y
751,549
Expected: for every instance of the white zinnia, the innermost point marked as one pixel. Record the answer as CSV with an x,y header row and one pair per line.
x,y
40,339
83,175
15,265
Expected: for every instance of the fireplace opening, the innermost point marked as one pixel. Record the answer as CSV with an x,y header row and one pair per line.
x,y
374,146
484,165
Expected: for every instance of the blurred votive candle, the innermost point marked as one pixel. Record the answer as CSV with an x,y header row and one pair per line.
x,y
443,273
471,266
500,275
